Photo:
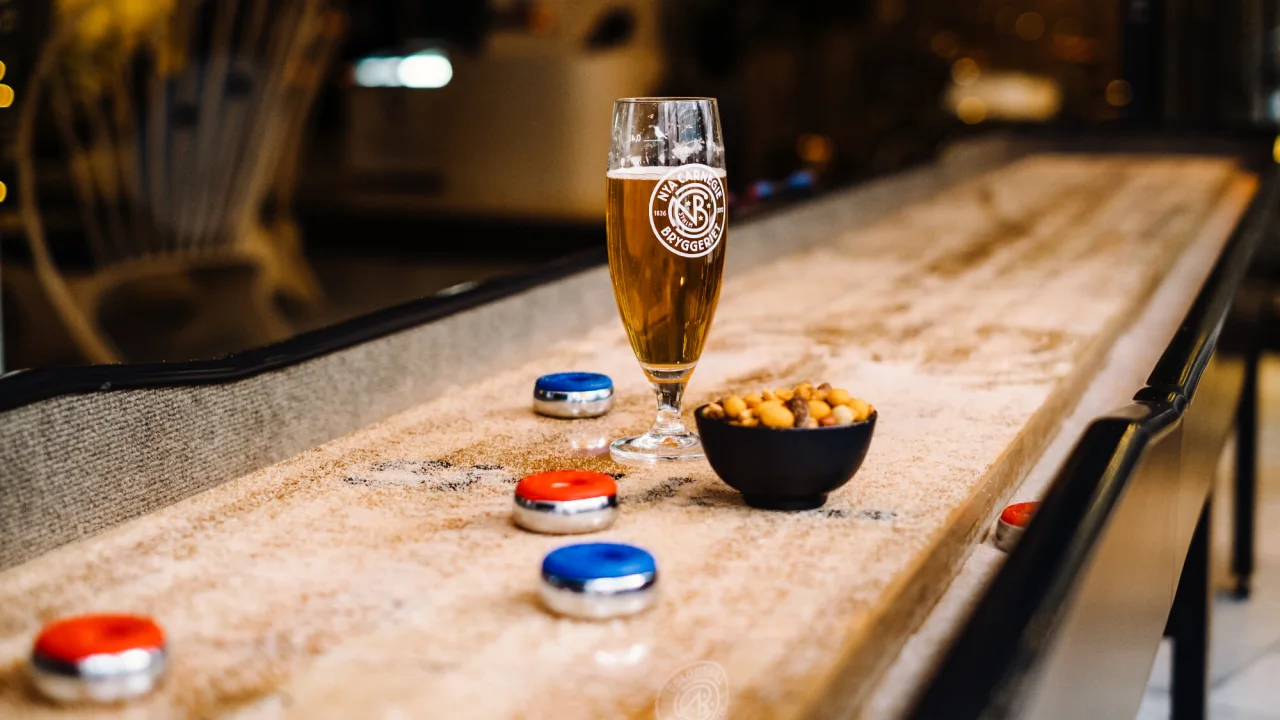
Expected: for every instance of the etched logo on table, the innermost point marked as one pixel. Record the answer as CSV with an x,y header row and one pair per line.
x,y
687,210
699,691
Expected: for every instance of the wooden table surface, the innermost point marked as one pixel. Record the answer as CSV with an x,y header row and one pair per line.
x,y
380,576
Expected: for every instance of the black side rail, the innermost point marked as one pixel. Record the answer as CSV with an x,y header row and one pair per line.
x,y
992,660
21,387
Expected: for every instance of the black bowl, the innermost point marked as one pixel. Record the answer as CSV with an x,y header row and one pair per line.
x,y
789,469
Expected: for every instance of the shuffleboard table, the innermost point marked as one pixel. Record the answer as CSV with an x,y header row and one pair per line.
x,y
323,527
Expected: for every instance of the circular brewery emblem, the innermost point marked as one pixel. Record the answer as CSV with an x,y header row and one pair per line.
x,y
687,210
699,691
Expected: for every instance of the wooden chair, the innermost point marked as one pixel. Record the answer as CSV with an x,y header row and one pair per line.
x,y
181,134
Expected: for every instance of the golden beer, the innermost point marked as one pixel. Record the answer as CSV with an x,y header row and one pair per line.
x,y
666,257
666,211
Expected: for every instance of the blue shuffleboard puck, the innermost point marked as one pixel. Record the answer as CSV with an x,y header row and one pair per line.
x,y
573,395
599,580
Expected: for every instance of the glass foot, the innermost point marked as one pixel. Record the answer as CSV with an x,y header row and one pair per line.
x,y
650,449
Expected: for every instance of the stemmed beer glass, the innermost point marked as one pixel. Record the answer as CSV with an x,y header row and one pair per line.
x,y
666,221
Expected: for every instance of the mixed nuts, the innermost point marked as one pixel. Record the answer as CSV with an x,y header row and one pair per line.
x,y
803,406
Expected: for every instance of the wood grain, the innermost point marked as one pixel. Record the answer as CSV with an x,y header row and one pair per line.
x,y
380,576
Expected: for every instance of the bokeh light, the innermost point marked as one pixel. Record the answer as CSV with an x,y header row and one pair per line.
x,y
377,72
1006,95
1030,26
965,71
971,110
815,149
429,69
1119,93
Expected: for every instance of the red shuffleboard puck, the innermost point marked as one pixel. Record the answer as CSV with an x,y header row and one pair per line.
x,y
566,502
1013,521
98,658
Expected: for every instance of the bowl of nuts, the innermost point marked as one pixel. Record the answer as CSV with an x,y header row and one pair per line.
x,y
785,449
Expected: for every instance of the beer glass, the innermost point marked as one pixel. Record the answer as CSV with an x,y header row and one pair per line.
x,y
666,219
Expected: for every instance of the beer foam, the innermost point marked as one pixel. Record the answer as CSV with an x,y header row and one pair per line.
x,y
653,173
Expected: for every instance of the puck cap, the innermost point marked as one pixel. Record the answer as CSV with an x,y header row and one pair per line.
x,y
573,395
1019,514
565,502
585,562
599,580
98,658
561,485
1013,521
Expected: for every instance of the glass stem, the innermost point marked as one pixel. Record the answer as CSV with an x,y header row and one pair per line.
x,y
669,395
668,386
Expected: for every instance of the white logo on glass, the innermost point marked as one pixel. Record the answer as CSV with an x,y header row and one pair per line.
x,y
687,210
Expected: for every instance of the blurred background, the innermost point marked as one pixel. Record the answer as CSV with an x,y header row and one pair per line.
x,y
191,178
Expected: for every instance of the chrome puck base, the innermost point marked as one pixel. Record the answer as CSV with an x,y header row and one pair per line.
x,y
101,678
569,517
1007,535
568,405
596,605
